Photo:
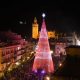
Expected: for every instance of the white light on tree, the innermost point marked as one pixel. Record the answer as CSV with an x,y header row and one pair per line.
x,y
43,15
51,52
18,48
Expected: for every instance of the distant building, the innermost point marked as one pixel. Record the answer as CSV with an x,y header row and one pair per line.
x,y
12,48
35,31
60,48
51,34
9,53
73,50
11,37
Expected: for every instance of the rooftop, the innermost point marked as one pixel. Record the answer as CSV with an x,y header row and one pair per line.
x,y
70,67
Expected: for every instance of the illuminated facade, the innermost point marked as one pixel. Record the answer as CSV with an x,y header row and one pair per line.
x,y
8,55
60,49
35,32
51,34
12,50
43,59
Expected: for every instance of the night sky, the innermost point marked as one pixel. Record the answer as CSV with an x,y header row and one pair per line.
x,y
60,15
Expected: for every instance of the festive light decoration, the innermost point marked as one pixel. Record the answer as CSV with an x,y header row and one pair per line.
x,y
43,59
43,15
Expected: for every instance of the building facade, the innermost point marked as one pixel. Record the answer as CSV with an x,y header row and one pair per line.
x,y
36,32
9,54
12,50
35,26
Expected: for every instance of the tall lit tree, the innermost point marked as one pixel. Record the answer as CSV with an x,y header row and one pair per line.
x,y
43,59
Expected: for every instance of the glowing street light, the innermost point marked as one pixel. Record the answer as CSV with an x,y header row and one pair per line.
x,y
32,52
21,22
28,58
17,63
47,78
60,64
9,69
23,60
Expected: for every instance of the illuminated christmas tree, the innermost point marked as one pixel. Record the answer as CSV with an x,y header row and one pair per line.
x,y
43,59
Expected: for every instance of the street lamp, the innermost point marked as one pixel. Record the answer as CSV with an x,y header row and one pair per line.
x,y
60,64
47,78
17,63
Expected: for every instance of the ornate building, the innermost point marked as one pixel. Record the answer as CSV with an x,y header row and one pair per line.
x,y
36,33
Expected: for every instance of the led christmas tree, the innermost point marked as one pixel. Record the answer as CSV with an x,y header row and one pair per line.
x,y
43,59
